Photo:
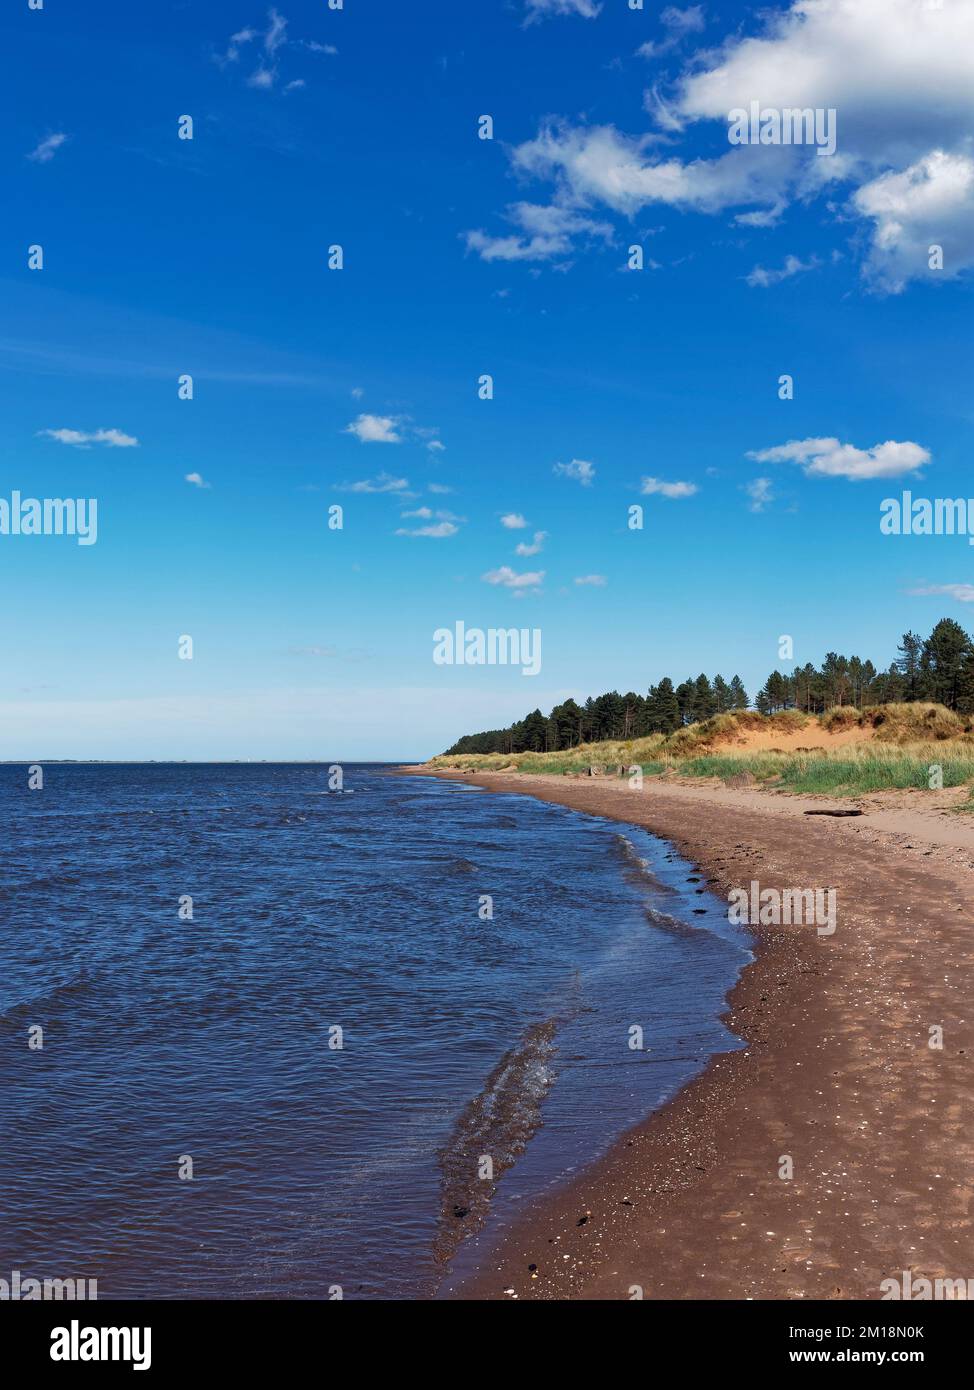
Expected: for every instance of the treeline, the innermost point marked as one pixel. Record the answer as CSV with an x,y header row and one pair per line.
x,y
938,668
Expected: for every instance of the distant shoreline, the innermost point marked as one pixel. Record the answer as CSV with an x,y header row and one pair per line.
x,y
837,1075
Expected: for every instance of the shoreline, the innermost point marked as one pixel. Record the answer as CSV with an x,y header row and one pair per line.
x,y
837,1074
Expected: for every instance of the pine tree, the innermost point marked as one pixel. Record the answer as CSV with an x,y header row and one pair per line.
x,y
704,704
908,663
662,708
739,699
941,662
686,694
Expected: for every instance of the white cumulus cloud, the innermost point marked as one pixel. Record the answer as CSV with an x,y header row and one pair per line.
x,y
114,439
375,429
534,547
510,579
656,486
828,458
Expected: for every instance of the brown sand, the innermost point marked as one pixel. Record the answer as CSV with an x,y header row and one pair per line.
x,y
837,1074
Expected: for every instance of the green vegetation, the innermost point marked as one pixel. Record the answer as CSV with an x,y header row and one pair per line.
x,y
897,747
933,672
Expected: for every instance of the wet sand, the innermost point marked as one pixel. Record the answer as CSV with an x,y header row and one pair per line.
x,y
837,1076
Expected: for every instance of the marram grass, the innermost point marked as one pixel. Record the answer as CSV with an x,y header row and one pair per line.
x,y
903,746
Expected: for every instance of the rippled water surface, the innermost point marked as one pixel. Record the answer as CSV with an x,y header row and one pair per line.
x,y
464,1036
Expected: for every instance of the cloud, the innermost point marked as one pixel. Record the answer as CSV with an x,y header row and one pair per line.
x,y
235,44
898,73
963,593
196,479
375,429
597,581
759,276
439,488
426,514
827,458
514,521
276,32
510,579
578,469
760,492
929,204
536,546
679,23
48,148
600,163
273,38
115,439
385,482
537,9
436,530
544,232
654,486
392,429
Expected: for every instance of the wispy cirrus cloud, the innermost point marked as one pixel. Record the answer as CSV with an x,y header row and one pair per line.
x,y
45,151
760,493
439,524
436,530
678,24
963,593
580,470
538,9
828,458
265,45
595,581
384,482
83,439
793,265
543,232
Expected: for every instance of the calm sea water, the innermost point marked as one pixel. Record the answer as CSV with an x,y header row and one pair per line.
x,y
464,1037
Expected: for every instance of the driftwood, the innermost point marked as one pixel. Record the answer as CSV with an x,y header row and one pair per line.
x,y
855,812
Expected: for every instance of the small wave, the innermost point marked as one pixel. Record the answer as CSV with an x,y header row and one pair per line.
x,y
498,1124
637,866
49,997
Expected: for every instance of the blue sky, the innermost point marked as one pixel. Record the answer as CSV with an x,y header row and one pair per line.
x,y
463,256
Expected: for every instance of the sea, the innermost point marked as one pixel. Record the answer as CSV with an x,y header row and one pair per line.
x,y
271,1031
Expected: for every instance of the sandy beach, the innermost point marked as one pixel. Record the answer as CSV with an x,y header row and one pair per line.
x,y
838,1075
